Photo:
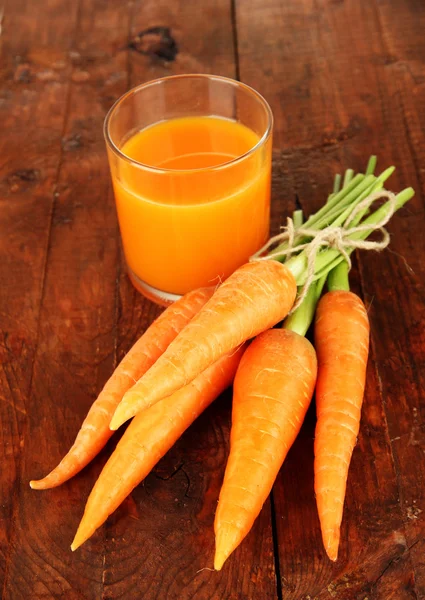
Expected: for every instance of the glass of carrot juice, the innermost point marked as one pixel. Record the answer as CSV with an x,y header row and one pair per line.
x,y
190,158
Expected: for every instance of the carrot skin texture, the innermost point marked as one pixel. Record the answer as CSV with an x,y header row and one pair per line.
x,y
148,437
254,298
272,390
342,345
95,431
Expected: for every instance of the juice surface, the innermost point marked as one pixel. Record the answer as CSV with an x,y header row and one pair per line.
x,y
189,225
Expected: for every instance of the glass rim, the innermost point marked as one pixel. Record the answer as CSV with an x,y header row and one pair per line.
x,y
111,144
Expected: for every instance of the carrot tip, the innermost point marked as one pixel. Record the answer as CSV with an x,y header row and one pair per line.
x,y
121,415
226,541
331,543
38,484
115,423
218,562
332,553
46,483
78,540
220,558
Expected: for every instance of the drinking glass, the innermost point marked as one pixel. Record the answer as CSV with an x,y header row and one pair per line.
x,y
181,227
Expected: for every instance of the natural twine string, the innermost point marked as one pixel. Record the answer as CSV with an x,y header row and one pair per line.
x,y
331,237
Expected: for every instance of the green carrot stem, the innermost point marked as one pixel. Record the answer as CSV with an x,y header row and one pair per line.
x,y
319,287
344,197
336,188
377,185
371,165
338,278
297,218
366,210
333,262
329,258
334,207
348,177
325,259
337,217
300,320
379,214
370,169
337,183
369,183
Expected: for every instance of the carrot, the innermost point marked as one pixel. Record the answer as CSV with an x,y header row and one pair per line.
x,y
272,391
342,344
257,295
149,436
254,298
95,431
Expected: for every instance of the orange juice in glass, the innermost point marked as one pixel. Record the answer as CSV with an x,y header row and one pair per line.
x,y
190,159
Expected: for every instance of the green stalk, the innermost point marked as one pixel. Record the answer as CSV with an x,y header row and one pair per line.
x,y
337,218
297,218
334,207
336,188
361,190
342,216
371,165
349,185
375,187
329,258
337,183
319,287
360,215
335,212
370,170
300,320
348,177
342,198
338,278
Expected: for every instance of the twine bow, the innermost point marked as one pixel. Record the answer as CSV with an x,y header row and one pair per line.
x,y
331,237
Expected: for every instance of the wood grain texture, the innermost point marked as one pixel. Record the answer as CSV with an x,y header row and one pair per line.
x,y
400,347
33,101
160,541
344,79
77,324
331,84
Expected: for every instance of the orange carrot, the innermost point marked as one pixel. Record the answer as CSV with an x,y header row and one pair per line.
x,y
272,391
342,344
254,298
95,431
149,436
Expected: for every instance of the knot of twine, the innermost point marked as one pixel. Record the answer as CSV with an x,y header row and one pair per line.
x,y
331,237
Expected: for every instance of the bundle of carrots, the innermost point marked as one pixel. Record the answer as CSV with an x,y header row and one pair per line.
x,y
200,345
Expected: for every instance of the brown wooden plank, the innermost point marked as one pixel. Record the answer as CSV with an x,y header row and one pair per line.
x,y
33,92
399,341
77,327
202,34
322,66
344,79
400,345
162,537
172,522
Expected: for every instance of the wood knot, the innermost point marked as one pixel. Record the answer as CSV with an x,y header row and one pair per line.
x,y
72,142
23,74
22,179
156,42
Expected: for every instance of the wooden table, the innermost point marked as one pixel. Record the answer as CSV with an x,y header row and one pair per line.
x,y
344,79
